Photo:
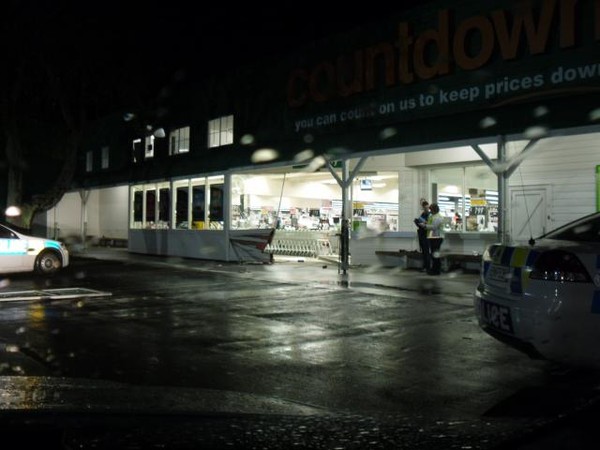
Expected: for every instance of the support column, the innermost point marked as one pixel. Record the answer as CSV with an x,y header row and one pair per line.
x,y
227,212
346,217
84,195
503,235
346,183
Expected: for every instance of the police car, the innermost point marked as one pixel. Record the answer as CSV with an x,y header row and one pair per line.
x,y
22,253
544,298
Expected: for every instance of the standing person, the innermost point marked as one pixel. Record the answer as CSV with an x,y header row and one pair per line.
x,y
435,237
422,234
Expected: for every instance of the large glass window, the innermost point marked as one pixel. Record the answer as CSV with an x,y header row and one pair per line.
x,y
467,196
164,204
196,210
150,206
375,202
291,201
137,207
198,206
182,204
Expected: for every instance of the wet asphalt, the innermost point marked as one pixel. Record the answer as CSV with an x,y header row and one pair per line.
x,y
373,358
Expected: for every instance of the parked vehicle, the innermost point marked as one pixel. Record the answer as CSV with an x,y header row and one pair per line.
x,y
544,298
23,253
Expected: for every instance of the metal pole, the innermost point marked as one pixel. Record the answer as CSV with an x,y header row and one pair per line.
x,y
346,215
502,192
83,195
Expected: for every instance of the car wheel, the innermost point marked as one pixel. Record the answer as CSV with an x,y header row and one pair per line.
x,y
48,263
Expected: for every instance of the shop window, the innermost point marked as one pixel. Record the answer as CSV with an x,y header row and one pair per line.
x,y
467,197
182,207
138,209
150,207
216,203
164,205
290,202
220,131
198,207
179,141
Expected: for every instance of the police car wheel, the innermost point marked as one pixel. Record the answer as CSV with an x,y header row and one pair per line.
x,y
48,263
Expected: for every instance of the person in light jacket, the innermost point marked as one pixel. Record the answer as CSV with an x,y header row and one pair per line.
x,y
422,235
435,237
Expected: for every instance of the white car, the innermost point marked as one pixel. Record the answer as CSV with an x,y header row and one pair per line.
x,y
544,298
22,253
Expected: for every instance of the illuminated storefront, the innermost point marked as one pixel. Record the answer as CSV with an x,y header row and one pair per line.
x,y
491,113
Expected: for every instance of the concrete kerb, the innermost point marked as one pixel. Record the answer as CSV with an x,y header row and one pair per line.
x,y
457,283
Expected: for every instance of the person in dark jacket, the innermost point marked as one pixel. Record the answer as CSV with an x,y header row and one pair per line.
x,y
435,237
422,234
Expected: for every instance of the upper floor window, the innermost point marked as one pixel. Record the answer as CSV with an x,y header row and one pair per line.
x,y
89,159
179,141
105,157
149,147
136,150
220,131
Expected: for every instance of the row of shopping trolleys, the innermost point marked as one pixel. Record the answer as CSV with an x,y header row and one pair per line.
x,y
300,247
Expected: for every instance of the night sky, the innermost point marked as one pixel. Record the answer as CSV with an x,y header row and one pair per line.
x,y
150,40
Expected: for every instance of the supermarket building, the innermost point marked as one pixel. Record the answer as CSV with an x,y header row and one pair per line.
x,y
492,113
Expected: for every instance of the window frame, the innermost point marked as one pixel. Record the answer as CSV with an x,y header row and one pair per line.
x,y
179,141
220,131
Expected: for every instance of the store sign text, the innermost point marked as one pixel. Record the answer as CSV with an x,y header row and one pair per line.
x,y
437,52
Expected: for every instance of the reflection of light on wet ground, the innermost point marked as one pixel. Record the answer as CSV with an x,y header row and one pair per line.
x,y
51,294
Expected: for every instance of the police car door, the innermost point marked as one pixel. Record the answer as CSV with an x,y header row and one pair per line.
x,y
12,251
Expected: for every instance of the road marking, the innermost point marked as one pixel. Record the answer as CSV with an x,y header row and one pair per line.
x,y
52,294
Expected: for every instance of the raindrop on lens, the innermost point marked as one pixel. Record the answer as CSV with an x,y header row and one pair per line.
x,y
304,155
535,132
487,122
247,139
540,111
595,115
264,155
13,211
388,133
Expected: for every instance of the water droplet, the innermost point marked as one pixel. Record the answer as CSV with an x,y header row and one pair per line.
x,y
304,155
540,111
247,139
487,122
13,211
387,133
595,115
308,138
535,132
264,155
